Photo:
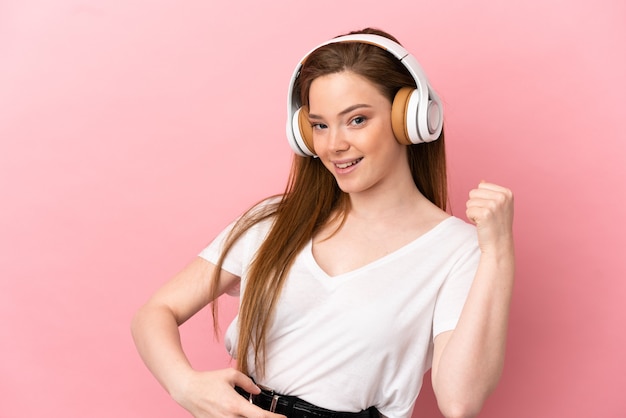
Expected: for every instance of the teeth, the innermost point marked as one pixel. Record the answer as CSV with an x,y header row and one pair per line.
x,y
348,164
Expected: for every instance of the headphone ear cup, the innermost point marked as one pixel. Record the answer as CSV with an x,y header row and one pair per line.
x,y
399,115
305,128
302,132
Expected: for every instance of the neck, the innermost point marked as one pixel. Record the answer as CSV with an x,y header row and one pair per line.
x,y
391,203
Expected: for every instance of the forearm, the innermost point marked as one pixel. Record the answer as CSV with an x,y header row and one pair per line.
x,y
157,338
470,364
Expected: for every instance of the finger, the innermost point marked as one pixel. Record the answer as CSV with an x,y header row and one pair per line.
x,y
246,383
489,194
479,202
490,198
477,214
492,186
487,207
494,191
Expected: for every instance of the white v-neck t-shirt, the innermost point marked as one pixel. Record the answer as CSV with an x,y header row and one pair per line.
x,y
363,338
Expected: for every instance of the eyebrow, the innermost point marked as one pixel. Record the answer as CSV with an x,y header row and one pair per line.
x,y
343,112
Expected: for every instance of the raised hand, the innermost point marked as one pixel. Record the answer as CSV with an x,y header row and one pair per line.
x,y
490,207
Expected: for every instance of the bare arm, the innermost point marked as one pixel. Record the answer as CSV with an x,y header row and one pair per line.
x,y
156,335
468,361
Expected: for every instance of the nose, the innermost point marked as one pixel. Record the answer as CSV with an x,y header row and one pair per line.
x,y
337,140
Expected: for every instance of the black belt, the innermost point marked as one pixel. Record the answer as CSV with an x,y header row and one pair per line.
x,y
294,407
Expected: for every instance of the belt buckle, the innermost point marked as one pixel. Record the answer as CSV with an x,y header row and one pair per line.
x,y
274,396
274,403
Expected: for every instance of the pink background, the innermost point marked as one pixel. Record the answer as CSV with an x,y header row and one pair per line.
x,y
132,131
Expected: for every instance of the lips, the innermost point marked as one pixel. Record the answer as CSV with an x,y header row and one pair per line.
x,y
348,163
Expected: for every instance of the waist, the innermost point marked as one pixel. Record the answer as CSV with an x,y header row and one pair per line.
x,y
294,407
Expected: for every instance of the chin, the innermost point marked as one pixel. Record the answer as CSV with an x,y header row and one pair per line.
x,y
351,188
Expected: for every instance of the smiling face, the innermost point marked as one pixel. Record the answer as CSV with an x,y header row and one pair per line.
x,y
352,133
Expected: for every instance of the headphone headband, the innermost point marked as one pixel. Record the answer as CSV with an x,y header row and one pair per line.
x,y
424,118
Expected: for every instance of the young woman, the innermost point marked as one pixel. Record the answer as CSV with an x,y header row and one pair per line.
x,y
356,280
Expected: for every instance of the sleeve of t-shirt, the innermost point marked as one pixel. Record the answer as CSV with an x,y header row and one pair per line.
x,y
232,262
242,252
454,291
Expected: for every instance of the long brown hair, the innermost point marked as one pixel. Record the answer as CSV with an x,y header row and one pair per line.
x,y
312,197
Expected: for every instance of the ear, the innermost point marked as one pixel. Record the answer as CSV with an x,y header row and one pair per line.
x,y
399,115
304,128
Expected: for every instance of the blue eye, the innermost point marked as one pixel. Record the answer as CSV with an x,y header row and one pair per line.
x,y
359,120
318,126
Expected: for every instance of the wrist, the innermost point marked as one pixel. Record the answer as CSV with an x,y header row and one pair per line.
x,y
179,384
501,253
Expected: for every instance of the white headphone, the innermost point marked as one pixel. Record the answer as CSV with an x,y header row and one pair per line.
x,y
417,113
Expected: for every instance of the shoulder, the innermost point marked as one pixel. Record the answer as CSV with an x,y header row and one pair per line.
x,y
455,232
459,226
